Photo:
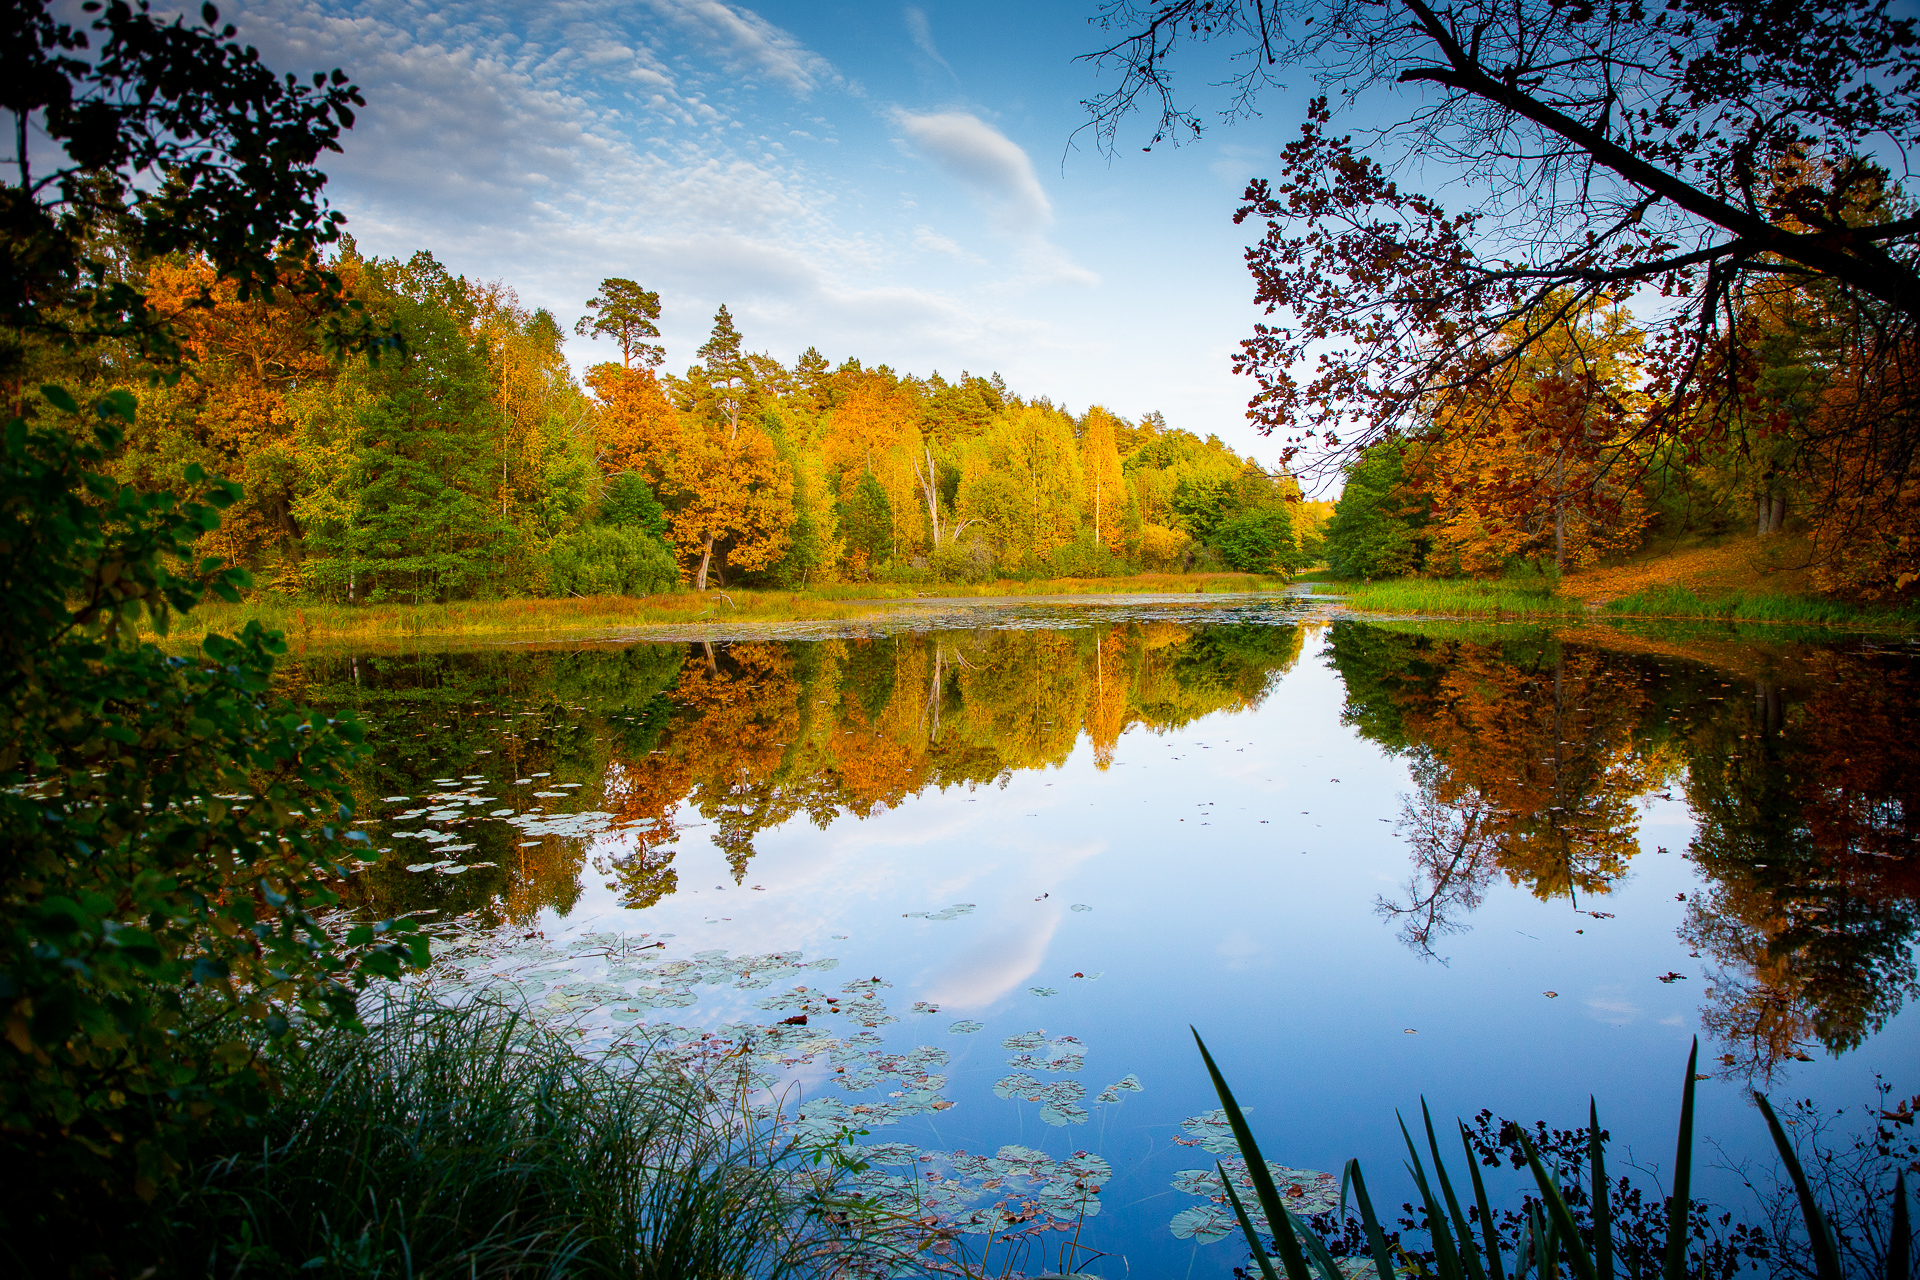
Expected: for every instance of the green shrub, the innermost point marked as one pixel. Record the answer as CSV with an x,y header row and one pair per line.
x,y
956,560
1084,558
610,560
1259,540
629,503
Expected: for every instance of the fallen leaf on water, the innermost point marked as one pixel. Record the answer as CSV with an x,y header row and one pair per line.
x,y
1551,995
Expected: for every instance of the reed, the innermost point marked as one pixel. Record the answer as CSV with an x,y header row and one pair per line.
x,y
1554,1240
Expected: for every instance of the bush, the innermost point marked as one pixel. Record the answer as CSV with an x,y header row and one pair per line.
x,y
168,827
610,560
968,561
1162,550
629,504
1085,559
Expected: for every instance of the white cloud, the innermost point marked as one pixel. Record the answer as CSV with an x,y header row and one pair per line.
x,y
748,40
985,161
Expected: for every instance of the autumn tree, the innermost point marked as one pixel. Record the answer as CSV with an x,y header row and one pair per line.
x,y
1532,467
635,429
1694,156
1023,481
626,313
734,491
1106,486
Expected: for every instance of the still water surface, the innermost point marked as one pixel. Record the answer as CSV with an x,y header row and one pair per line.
x,y
1500,867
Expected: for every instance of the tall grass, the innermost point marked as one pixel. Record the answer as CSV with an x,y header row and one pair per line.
x,y
469,1142
1520,598
1461,597
1679,602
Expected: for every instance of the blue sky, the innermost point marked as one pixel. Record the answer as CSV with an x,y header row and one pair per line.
x,y
897,183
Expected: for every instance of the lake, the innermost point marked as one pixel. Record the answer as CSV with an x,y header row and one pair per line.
x,y
961,881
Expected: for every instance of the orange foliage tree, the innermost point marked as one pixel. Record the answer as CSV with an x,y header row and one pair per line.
x,y
1526,460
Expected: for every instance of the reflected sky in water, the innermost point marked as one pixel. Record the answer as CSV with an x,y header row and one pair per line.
x,y
1499,868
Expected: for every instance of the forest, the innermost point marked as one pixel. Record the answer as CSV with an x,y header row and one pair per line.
x,y
466,460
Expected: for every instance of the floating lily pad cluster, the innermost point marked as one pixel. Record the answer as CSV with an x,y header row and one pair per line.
x,y
962,1192
1033,1051
1305,1191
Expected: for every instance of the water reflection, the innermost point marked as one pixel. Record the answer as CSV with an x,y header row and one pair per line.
x,y
746,737
1531,757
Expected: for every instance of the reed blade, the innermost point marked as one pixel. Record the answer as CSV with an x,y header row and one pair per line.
x,y
1469,1256
1602,1207
1559,1216
1679,1207
1490,1238
1826,1257
1446,1254
1900,1238
1369,1222
1246,1224
1283,1239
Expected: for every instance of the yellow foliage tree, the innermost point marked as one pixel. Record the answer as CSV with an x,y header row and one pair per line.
x,y
1024,482
1106,486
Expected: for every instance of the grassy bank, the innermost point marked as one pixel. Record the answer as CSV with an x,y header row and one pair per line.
x,y
482,620
1739,581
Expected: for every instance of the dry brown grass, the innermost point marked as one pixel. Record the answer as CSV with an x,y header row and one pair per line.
x,y
1745,566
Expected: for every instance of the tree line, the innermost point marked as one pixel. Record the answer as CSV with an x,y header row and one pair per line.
x,y
467,460
1553,463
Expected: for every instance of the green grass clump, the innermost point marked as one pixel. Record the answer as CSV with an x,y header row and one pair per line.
x,y
467,1142
1461,597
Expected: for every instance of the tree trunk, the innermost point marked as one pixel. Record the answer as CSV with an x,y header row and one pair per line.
x,y
1779,512
706,558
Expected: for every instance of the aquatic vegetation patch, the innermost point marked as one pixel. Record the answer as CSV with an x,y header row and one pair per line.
x,y
953,912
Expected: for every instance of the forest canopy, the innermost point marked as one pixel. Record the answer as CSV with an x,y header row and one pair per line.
x,y
473,462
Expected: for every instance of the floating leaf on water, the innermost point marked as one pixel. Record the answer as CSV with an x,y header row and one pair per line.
x,y
500,813
921,1006
1026,1041
395,799
1080,906
1203,1223
1210,1133
1091,977
1063,1113
966,1027
1042,991
1017,1085
1128,1083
